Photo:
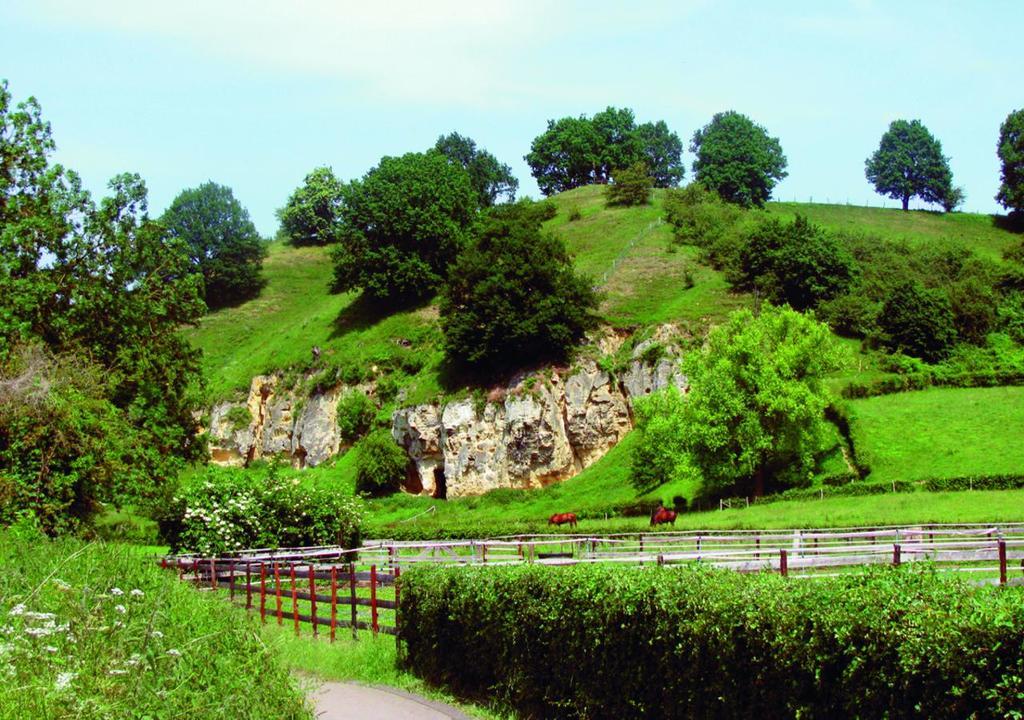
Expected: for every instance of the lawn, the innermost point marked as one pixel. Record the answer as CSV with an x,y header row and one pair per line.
x,y
942,432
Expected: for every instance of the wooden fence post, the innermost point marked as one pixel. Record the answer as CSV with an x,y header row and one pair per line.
x,y
757,544
277,591
783,564
263,592
231,581
312,599
213,573
352,597
373,599
295,599
1002,562
896,554
248,585
398,625
334,600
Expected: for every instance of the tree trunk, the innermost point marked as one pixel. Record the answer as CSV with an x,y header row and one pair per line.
x,y
759,482
906,203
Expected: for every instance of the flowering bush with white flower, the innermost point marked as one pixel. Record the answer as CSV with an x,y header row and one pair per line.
x,y
96,631
230,509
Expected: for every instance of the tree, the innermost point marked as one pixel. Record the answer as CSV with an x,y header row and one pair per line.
x,y
918,321
490,179
909,163
796,263
222,242
737,159
573,152
754,415
401,226
1011,155
513,297
97,294
310,217
630,186
380,464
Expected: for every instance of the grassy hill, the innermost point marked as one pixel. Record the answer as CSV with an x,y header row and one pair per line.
x,y
645,280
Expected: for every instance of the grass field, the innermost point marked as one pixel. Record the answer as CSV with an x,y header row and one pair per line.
x,y
942,432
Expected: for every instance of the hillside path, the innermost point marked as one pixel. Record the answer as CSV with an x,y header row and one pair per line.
x,y
351,701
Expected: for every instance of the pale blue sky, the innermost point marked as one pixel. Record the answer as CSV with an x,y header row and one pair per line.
x,y
253,95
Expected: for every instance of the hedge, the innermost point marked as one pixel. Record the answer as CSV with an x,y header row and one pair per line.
x,y
924,380
592,641
974,482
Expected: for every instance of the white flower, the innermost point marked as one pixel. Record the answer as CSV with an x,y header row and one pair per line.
x,y
63,681
173,652
136,593
157,634
39,616
39,632
50,649
117,672
121,609
17,610
116,592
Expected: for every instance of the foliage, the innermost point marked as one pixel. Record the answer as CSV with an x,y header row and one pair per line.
x,y
312,213
754,413
918,321
401,226
954,198
355,415
630,186
228,509
105,290
798,263
909,163
737,159
490,179
573,152
1011,157
222,242
891,642
513,297
96,631
380,464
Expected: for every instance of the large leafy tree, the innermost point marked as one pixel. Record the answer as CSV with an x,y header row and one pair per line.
x,y
492,181
753,419
1011,156
513,297
100,388
737,159
401,226
310,217
573,152
222,241
918,321
909,163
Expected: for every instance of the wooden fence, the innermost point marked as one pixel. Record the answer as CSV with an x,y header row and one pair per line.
x,y
333,587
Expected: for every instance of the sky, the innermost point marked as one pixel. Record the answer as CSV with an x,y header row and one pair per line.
x,y
254,94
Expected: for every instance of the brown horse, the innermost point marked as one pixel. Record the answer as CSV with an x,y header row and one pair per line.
x,y
562,518
661,515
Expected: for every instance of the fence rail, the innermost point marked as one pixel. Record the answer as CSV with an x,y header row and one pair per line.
x,y
357,587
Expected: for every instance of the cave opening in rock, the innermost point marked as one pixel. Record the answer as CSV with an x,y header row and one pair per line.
x,y
413,482
440,487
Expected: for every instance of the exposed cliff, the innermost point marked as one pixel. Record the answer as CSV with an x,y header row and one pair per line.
x,y
542,429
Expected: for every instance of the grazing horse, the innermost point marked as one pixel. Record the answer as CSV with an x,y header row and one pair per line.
x,y
562,518
661,515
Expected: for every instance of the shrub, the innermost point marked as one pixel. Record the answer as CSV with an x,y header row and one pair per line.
x,y
95,631
918,322
575,214
230,509
355,415
630,186
700,217
240,417
704,642
380,464
852,315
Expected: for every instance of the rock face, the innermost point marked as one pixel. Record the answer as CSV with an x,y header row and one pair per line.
x,y
539,431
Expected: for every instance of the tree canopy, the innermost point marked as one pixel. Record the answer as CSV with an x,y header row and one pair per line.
x,y
1011,157
918,321
573,152
754,417
630,186
492,181
513,297
737,159
310,217
99,387
909,163
223,244
401,226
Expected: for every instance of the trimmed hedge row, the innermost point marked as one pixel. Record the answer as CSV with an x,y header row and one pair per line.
x,y
974,482
653,642
924,380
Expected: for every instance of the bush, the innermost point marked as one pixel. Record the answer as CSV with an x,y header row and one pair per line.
x,y
918,322
630,186
893,642
96,631
700,217
355,415
380,464
230,509
852,315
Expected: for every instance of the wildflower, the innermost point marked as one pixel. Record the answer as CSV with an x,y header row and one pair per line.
x,y
50,649
136,593
134,660
157,634
116,592
17,610
117,672
39,632
121,609
63,681
173,652
61,585
39,616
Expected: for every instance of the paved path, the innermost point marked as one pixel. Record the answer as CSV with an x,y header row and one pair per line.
x,y
352,701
